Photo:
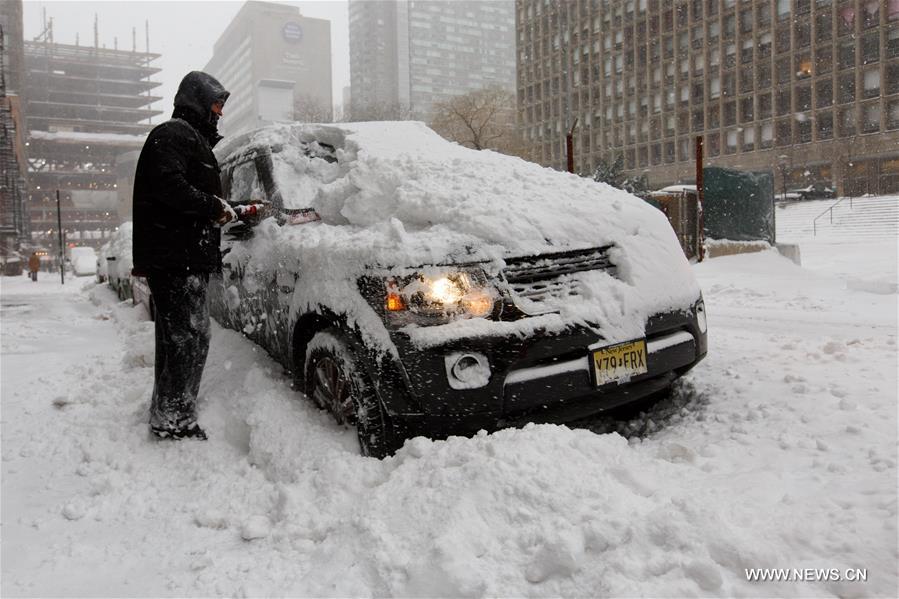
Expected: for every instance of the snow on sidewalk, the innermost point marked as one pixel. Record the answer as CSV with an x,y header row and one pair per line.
x,y
778,451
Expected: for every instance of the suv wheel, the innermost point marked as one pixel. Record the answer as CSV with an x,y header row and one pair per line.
x,y
336,381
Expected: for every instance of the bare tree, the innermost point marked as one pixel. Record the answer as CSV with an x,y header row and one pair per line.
x,y
310,109
482,120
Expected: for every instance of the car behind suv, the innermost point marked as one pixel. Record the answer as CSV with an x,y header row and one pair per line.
x,y
416,287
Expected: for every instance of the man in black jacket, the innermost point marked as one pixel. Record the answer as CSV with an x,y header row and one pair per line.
x,y
177,212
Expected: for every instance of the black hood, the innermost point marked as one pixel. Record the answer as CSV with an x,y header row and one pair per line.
x,y
193,103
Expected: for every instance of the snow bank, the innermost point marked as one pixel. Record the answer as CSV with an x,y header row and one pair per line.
x,y
400,196
779,452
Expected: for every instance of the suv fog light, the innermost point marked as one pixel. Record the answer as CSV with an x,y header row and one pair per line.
x,y
467,371
700,317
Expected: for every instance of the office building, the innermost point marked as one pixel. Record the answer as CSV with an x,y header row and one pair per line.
x,y
806,88
269,58
84,106
406,55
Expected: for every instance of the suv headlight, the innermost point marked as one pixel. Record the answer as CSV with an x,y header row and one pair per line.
x,y
438,296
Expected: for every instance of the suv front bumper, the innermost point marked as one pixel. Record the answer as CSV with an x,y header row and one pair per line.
x,y
542,378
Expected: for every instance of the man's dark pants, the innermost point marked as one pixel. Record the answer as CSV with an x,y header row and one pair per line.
x,y
182,342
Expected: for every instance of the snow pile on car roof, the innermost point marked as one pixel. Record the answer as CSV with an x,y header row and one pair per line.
x,y
399,195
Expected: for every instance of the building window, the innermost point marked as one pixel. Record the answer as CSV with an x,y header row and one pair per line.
x,y
847,121
803,65
783,69
713,141
764,106
823,23
730,141
782,39
683,149
765,45
730,113
823,60
746,111
767,136
871,47
804,129
715,87
803,97
823,93
871,83
746,21
714,116
642,156
871,13
803,32
893,114
783,105
871,118
697,121
764,75
825,125
763,15
656,154
669,152
847,88
747,50
748,139
892,79
846,58
783,9
784,133
892,49
746,82
729,87
846,20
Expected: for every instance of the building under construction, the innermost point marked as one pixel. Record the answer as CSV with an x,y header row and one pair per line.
x,y
13,217
85,106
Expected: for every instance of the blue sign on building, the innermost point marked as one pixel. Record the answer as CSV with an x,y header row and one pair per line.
x,y
292,32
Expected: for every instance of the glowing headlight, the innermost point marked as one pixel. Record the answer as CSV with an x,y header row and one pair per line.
x,y
435,297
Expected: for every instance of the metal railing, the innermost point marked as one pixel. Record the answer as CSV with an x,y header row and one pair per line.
x,y
829,211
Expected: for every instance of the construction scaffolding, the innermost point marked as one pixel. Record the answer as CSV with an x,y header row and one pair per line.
x,y
85,107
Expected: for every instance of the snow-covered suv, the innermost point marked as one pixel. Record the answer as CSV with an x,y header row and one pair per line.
x,y
416,287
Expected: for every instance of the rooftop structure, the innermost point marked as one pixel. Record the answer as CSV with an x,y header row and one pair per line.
x,y
806,88
405,56
85,106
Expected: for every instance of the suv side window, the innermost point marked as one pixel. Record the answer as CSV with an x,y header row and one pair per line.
x,y
245,185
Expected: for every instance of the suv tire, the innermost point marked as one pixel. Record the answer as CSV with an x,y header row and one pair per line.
x,y
336,381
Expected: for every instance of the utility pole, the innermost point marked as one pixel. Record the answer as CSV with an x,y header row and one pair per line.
x,y
569,144
62,247
699,198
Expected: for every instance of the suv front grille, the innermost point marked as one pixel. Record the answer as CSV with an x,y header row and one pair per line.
x,y
539,278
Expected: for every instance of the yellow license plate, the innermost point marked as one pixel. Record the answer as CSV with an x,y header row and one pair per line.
x,y
619,362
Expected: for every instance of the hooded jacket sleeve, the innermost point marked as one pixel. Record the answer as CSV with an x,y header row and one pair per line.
x,y
172,151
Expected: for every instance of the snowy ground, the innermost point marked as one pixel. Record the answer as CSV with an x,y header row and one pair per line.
x,y
778,451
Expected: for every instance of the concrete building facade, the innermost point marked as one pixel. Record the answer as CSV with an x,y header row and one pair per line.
x,y
14,225
269,57
806,88
406,55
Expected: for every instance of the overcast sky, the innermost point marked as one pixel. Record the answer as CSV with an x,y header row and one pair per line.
x,y
183,32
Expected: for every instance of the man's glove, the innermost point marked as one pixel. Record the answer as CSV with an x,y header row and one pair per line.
x,y
227,214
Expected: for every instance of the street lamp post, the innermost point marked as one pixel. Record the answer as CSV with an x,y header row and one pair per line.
x,y
62,247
